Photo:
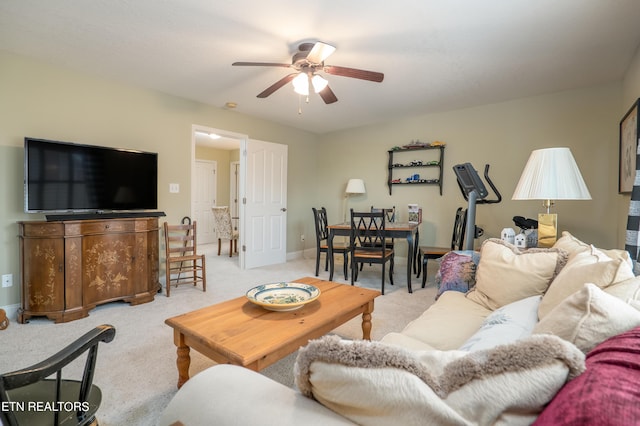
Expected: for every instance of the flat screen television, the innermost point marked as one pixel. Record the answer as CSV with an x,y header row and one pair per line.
x,y
65,177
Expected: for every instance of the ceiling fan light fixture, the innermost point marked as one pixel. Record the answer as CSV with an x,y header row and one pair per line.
x,y
319,83
301,84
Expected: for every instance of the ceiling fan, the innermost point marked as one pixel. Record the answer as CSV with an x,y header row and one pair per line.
x,y
307,62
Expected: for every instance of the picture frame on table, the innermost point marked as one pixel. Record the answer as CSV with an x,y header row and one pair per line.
x,y
629,138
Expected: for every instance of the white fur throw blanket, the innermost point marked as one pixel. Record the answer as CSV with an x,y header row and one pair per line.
x,y
372,383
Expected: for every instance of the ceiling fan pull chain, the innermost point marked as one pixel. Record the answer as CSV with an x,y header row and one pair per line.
x,y
299,104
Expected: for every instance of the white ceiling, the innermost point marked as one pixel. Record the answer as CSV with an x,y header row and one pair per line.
x,y
436,55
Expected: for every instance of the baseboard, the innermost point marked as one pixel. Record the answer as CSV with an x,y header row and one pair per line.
x,y
12,311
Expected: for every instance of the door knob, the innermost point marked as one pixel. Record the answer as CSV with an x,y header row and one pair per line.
x,y
284,209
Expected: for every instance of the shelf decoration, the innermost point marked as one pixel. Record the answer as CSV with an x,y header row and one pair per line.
x,y
403,161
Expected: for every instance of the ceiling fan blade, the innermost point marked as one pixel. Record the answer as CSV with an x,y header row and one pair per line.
x,y
278,84
327,95
354,73
259,64
320,52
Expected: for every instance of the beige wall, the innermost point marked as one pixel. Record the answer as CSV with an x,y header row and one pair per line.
x,y
502,135
50,102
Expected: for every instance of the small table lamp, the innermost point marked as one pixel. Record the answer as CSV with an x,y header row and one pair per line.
x,y
354,186
550,174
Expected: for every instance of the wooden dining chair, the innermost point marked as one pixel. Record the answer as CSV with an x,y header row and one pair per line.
x,y
457,241
322,242
390,216
183,264
368,243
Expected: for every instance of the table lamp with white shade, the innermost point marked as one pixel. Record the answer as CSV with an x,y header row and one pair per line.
x,y
354,186
550,174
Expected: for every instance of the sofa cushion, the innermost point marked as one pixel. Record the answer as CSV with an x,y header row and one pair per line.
x,y
505,325
448,322
406,342
627,290
587,266
606,393
589,317
228,394
371,383
457,271
506,274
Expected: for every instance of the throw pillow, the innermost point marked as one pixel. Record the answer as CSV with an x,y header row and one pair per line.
x,y
457,271
627,290
375,384
606,393
570,244
583,267
589,317
573,245
505,325
506,274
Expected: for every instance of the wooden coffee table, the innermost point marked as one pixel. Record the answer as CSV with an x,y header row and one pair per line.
x,y
242,333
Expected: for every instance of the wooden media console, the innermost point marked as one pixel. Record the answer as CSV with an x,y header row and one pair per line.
x,y
68,267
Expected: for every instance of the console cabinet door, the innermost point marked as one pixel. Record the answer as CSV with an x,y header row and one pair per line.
x,y
43,274
107,265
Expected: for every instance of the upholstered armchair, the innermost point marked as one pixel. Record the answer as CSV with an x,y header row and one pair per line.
x,y
223,228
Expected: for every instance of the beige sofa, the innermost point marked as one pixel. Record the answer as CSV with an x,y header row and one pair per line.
x,y
496,354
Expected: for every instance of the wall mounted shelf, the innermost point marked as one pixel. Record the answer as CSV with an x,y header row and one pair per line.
x,y
404,161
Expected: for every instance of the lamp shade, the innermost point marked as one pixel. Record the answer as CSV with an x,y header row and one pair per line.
x,y
551,174
355,186
301,84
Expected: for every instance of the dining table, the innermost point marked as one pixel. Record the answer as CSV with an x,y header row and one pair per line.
x,y
407,230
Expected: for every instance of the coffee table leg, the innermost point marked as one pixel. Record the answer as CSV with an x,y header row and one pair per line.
x,y
183,362
366,321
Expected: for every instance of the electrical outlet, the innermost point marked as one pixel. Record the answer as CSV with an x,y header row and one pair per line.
x,y
302,238
7,280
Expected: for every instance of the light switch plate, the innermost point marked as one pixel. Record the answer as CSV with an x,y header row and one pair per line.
x,y
174,188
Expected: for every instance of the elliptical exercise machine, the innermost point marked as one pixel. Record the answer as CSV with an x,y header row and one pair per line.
x,y
474,191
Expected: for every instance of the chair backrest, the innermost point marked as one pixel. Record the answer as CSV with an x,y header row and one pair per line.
x,y
222,225
390,213
180,240
459,227
320,219
54,365
368,230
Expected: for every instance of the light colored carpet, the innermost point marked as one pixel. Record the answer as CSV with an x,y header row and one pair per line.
x,y
137,371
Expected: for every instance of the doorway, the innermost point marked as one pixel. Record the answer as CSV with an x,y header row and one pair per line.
x,y
262,232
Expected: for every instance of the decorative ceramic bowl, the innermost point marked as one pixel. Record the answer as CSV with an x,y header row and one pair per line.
x,y
283,296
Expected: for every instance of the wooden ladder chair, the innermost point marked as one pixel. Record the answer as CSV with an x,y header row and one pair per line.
x,y
183,263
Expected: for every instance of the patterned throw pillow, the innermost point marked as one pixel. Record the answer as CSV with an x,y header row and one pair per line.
x,y
457,271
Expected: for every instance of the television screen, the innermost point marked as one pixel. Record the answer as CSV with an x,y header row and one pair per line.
x,y
70,177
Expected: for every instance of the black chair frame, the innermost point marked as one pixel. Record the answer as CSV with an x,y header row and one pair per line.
x,y
322,242
457,242
369,243
82,397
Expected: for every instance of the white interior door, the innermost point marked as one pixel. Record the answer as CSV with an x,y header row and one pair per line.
x,y
264,234
205,198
